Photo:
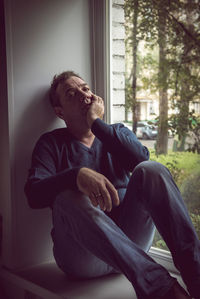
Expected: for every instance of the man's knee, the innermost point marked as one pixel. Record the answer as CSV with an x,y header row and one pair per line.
x,y
151,168
150,173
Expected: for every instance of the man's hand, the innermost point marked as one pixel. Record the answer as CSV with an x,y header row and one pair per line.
x,y
99,189
96,109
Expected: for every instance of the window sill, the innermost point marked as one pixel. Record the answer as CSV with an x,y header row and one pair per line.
x,y
164,258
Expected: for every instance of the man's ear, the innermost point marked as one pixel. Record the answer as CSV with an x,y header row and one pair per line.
x,y
59,111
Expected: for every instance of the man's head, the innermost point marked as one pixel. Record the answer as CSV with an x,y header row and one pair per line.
x,y
59,80
70,97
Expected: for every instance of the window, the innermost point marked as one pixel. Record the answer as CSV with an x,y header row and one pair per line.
x,y
147,110
184,165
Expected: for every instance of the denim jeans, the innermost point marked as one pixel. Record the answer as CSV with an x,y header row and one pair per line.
x,y
89,242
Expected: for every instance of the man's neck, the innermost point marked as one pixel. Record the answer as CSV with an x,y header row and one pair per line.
x,y
84,136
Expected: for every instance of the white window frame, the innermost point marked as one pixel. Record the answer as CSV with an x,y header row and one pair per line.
x,y
102,73
101,52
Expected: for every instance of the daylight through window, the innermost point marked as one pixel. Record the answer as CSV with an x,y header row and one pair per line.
x,y
155,90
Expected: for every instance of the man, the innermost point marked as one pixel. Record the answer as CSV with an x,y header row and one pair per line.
x,y
106,197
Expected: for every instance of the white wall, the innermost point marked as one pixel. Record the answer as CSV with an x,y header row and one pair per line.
x,y
42,38
118,61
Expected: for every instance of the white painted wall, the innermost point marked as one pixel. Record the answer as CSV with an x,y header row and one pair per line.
x,y
42,38
118,61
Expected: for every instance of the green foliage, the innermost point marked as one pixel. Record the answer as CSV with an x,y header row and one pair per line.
x,y
148,66
185,169
187,127
194,126
180,164
178,71
190,190
160,243
196,222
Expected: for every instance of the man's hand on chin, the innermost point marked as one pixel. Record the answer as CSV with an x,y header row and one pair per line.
x,y
95,110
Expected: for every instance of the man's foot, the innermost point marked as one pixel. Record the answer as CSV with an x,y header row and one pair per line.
x,y
176,292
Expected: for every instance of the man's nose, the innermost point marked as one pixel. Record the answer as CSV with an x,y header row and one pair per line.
x,y
84,97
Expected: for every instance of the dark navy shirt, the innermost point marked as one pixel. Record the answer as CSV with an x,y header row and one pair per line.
x,y
58,157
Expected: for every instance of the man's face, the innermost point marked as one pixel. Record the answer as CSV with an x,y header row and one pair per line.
x,y
75,97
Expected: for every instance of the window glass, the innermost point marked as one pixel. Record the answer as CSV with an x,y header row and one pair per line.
x,y
155,90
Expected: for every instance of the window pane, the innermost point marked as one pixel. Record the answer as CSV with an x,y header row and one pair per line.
x,y
161,110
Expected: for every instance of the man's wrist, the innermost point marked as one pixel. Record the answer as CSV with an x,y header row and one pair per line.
x,y
91,120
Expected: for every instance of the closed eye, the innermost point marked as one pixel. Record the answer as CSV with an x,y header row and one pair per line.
x,y
70,92
86,88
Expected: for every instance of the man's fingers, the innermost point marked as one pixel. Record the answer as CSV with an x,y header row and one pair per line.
x,y
113,193
101,202
93,200
100,100
99,189
94,97
107,199
103,199
97,99
98,199
107,196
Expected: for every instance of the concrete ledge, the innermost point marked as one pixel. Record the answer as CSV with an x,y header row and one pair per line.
x,y
49,282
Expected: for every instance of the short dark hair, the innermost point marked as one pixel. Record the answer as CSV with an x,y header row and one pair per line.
x,y
59,79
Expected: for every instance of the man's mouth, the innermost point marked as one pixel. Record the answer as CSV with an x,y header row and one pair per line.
x,y
87,101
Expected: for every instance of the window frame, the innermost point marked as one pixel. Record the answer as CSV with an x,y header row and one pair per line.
x,y
101,22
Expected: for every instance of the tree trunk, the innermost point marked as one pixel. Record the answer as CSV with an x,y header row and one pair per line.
x,y
162,140
134,82
126,114
184,111
185,87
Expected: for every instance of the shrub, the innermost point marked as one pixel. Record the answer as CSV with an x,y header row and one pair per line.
x,y
190,190
185,169
196,221
180,164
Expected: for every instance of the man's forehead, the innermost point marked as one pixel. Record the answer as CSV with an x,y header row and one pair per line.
x,y
71,82
74,82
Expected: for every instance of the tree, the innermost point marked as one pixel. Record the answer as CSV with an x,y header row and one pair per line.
x,y
173,28
131,14
162,140
134,9
185,64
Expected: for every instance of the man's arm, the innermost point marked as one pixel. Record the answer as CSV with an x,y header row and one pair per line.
x,y
44,183
122,143
119,140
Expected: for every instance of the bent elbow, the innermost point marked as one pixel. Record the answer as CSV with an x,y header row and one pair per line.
x,y
35,198
33,203
145,155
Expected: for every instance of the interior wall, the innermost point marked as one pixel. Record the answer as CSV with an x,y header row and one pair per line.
x,y
4,140
43,38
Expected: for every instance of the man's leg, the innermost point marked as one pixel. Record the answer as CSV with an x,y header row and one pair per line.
x,y
70,255
136,222
151,188
96,233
